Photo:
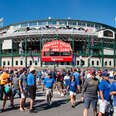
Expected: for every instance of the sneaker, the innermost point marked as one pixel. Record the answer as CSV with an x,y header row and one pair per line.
x,y
73,106
50,102
58,93
2,110
62,95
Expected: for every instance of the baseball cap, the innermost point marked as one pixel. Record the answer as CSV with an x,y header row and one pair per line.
x,y
105,74
92,72
50,74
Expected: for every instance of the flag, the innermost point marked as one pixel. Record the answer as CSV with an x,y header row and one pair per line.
x,y
74,60
1,21
32,58
38,59
115,21
56,29
92,42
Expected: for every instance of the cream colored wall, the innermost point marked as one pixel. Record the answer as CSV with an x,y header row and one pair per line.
x,y
6,60
95,61
18,59
35,59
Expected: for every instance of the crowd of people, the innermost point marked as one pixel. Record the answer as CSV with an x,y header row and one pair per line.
x,y
97,88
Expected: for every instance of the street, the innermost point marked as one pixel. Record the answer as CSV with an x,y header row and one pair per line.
x,y
60,107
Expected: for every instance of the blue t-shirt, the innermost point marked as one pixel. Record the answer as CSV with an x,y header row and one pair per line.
x,y
73,86
76,74
113,88
31,79
49,82
105,87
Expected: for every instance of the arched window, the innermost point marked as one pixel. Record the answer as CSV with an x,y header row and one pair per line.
x,y
4,63
97,62
35,62
92,63
77,62
105,63
16,62
21,62
8,63
30,62
110,63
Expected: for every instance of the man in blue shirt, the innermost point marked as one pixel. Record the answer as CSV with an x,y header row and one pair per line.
x,y
104,95
49,82
76,74
31,82
113,92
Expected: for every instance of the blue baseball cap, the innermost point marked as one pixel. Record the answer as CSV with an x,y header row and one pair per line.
x,y
50,74
105,74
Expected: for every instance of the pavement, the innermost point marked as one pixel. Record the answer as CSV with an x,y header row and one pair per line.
x,y
61,106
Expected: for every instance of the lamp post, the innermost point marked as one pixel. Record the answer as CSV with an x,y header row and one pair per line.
x,y
54,63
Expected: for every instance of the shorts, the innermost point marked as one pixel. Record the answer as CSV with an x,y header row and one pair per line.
x,y
9,94
114,114
24,94
90,100
60,85
32,92
104,106
72,93
49,91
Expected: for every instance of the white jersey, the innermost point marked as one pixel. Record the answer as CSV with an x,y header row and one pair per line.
x,y
66,77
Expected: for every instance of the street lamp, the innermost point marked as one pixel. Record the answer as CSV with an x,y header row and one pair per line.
x,y
54,63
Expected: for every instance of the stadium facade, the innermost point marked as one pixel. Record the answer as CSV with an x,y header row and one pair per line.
x,y
60,42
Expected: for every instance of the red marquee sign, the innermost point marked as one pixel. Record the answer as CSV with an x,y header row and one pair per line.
x,y
58,47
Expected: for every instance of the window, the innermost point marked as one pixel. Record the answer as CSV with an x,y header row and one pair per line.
x,y
77,62
81,24
92,63
35,62
110,63
21,62
90,25
97,63
30,62
4,63
71,23
108,33
52,23
16,62
8,63
62,22
42,23
105,63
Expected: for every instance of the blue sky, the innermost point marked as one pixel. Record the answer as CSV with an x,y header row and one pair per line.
x,y
102,11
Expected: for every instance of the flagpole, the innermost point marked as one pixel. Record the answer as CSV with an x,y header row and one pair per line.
x,y
115,21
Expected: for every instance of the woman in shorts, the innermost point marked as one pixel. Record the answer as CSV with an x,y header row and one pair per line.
x,y
73,86
8,93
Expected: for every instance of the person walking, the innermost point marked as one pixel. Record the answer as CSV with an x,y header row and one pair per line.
x,y
31,82
113,93
90,94
23,89
49,82
104,95
73,86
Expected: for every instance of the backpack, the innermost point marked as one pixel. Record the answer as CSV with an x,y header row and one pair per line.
x,y
7,88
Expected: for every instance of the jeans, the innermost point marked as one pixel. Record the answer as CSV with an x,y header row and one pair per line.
x,y
16,91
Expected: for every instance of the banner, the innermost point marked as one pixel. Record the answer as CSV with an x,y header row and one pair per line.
x,y
74,60
38,59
